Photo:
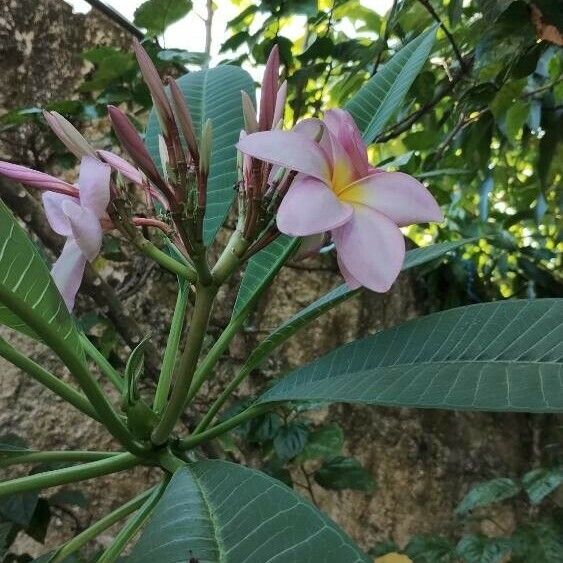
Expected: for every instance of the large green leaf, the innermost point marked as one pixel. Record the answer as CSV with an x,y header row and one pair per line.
x,y
413,258
502,356
23,272
262,268
375,102
213,94
219,512
156,15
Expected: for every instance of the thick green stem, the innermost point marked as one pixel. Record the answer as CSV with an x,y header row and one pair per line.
x,y
69,456
39,481
187,364
46,378
230,258
167,262
76,366
133,525
194,440
106,368
169,360
95,530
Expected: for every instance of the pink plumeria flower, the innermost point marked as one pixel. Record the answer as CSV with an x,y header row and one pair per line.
x,y
338,191
79,219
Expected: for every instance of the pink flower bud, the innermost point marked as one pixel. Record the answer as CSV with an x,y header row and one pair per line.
x,y
269,90
36,179
68,134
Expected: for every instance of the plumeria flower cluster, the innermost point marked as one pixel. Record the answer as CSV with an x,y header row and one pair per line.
x,y
314,181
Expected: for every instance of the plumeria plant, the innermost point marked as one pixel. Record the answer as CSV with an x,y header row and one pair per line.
x,y
297,191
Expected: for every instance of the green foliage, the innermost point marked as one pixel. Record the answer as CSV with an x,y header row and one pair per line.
x,y
477,548
539,483
156,15
324,443
488,493
261,269
210,512
26,276
213,94
481,357
376,101
341,473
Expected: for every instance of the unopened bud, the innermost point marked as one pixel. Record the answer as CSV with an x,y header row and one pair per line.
x,y
249,113
156,88
269,90
184,119
280,104
133,144
205,148
68,135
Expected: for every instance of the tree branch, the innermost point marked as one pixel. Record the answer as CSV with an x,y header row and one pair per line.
x,y
434,14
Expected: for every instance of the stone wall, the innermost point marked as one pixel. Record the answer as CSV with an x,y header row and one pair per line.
x,y
423,461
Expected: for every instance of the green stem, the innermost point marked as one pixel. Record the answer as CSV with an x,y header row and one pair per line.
x,y
215,353
194,440
187,364
38,481
124,536
167,262
69,456
76,366
223,397
230,258
169,360
96,529
47,379
107,369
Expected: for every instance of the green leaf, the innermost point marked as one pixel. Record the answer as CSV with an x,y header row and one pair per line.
x,y
430,549
156,15
541,542
326,443
261,269
376,101
539,483
342,473
214,511
213,94
265,427
413,258
290,440
26,275
488,493
12,444
477,548
19,508
501,356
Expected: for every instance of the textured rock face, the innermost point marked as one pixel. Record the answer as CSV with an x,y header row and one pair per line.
x,y
423,461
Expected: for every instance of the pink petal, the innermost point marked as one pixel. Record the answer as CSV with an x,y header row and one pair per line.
x,y
371,248
56,217
67,272
315,129
311,207
342,126
397,195
86,228
350,280
122,166
288,149
35,179
93,182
